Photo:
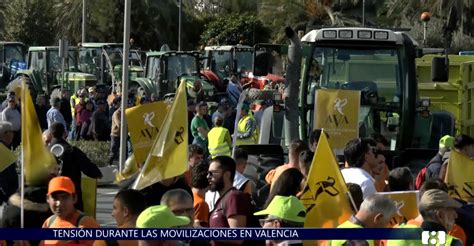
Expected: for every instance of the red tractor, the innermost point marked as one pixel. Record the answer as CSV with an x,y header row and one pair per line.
x,y
221,61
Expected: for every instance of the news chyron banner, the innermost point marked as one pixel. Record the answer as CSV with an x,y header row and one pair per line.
x,y
84,236
144,123
337,112
460,176
325,194
407,204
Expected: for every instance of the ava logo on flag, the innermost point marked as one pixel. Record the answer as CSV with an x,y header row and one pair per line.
x,y
178,137
326,186
339,104
147,117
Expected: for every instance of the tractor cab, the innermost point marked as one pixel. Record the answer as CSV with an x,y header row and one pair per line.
x,y
44,70
12,59
221,61
104,60
166,69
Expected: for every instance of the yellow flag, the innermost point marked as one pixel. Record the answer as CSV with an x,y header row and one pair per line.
x,y
337,112
7,157
407,203
460,176
144,123
325,194
38,161
168,156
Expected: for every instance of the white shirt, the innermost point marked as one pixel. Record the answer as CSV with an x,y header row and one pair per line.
x,y
211,197
13,116
362,178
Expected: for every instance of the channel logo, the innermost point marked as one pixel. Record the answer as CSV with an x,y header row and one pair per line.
x,y
432,238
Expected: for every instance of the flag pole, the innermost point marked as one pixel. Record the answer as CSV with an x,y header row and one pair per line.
x,y
242,98
123,105
22,168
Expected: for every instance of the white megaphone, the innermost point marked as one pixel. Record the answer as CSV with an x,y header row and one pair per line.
x,y
58,151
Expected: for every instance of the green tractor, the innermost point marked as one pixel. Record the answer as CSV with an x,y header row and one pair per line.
x,y
164,69
44,71
104,60
12,59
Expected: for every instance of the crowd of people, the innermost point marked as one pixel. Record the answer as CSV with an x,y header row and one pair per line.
x,y
219,189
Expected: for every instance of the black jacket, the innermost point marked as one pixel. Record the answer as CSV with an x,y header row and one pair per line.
x,y
35,205
74,163
434,167
36,210
8,182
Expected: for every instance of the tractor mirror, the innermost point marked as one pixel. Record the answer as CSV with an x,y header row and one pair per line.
x,y
262,63
440,69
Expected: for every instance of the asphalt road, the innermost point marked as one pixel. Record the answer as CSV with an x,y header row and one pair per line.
x,y
105,197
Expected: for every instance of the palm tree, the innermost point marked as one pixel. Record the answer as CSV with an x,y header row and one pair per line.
x,y
68,19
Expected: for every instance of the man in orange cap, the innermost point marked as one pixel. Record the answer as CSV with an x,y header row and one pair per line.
x,y
61,198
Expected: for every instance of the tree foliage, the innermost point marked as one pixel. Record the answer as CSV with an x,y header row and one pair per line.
x,y
235,29
155,22
30,22
68,20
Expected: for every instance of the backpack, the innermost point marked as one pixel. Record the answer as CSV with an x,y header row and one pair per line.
x,y
77,224
420,177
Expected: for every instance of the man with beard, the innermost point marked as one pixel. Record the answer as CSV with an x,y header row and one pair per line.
x,y
233,208
61,198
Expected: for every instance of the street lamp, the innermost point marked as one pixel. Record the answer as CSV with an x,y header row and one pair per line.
x,y
83,21
180,5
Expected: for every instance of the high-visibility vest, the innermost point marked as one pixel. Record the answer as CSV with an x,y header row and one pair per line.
x,y
253,139
74,100
449,239
217,144
347,224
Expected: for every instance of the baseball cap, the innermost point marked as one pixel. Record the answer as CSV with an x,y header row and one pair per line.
x,y
245,107
160,216
285,207
61,183
91,89
5,126
437,198
446,142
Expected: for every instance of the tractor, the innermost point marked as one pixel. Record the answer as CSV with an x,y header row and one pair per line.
x,y
12,59
44,71
104,60
380,63
221,61
166,69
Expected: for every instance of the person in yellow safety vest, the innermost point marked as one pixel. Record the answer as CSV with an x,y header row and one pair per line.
x,y
219,141
376,211
247,129
439,215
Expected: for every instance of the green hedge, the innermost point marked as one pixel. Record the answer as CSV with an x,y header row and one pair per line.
x,y
97,151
